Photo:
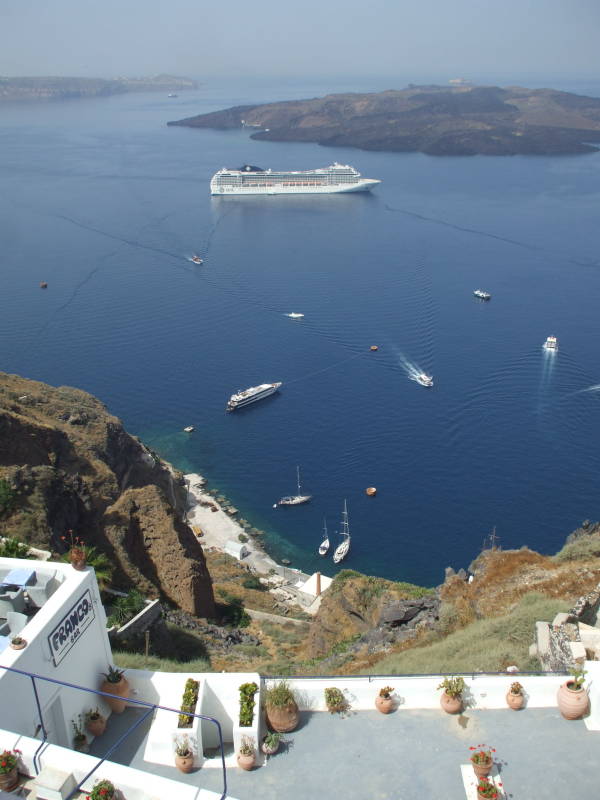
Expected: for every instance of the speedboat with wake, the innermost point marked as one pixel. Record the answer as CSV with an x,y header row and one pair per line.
x,y
551,343
342,550
294,499
424,379
295,315
196,259
482,295
324,546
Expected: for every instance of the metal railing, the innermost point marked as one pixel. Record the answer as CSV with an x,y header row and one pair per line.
x,y
150,706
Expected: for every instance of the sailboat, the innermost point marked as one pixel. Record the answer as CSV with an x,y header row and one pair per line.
x,y
341,551
324,546
295,499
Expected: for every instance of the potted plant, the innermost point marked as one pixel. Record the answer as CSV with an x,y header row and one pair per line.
x,y
77,555
573,700
104,790
515,697
482,759
184,754
335,700
451,700
270,743
487,789
18,643
281,707
9,770
95,722
80,741
384,701
115,683
247,703
246,756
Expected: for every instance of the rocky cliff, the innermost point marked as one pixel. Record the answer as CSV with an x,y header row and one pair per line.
x,y
438,120
66,463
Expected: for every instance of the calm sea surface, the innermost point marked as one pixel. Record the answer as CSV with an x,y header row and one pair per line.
x,y
106,203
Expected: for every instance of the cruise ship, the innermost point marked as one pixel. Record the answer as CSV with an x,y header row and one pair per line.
x,y
251,395
254,180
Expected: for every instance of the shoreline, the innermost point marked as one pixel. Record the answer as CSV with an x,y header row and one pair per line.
x,y
214,529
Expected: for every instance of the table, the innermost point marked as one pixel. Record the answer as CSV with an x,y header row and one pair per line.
x,y
18,577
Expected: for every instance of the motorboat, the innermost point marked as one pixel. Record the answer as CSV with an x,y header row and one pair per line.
x,y
196,259
424,379
482,295
189,429
294,499
295,315
342,550
324,546
551,343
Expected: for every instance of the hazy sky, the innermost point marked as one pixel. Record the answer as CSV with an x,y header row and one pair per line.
x,y
312,37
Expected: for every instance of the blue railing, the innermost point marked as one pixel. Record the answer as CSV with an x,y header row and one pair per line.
x,y
131,701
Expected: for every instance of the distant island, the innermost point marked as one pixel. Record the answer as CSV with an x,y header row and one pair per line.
x,y
72,88
438,120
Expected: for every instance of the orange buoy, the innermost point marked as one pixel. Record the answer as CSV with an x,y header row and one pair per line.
x,y
371,491
43,285
374,347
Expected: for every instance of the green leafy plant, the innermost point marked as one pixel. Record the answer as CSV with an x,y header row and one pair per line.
x,y
280,695
78,734
516,688
247,703
487,789
92,715
246,746
125,608
482,754
9,759
577,679
386,692
188,703
18,640
11,547
272,739
7,497
99,561
113,675
103,790
253,582
454,687
335,700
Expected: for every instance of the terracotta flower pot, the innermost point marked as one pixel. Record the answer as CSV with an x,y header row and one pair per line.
x,y
9,780
483,769
283,719
246,762
96,726
451,705
184,763
514,701
572,703
81,745
19,646
78,559
121,692
384,704
269,751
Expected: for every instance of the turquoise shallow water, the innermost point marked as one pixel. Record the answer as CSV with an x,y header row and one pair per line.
x,y
106,203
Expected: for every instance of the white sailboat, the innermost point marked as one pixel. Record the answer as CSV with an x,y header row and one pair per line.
x,y
294,499
341,551
324,546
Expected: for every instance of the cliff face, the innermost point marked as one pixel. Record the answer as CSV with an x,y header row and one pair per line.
x,y
70,464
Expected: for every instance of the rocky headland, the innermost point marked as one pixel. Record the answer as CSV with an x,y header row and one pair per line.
x,y
438,120
61,88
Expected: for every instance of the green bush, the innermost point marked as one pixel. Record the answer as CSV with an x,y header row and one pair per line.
x,y
188,703
8,498
253,582
247,703
14,548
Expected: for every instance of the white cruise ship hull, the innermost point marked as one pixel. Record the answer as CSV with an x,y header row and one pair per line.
x,y
237,401
364,185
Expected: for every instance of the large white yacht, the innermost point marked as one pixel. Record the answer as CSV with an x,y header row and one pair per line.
x,y
551,343
251,395
255,180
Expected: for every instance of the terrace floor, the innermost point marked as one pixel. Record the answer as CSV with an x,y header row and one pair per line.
x,y
407,755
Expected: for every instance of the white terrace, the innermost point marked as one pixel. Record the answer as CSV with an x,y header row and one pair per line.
x,y
416,752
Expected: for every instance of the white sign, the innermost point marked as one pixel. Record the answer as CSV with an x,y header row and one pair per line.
x,y
71,626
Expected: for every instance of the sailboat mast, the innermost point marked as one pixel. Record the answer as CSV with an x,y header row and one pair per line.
x,y
345,527
298,478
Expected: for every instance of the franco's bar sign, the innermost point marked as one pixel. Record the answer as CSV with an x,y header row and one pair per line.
x,y
70,628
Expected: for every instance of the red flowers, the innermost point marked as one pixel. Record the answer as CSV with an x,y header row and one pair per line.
x,y
8,760
482,754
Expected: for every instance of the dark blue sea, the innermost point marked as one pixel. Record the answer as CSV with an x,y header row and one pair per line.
x,y
106,203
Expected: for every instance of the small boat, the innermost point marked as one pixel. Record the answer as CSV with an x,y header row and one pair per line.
x,y
324,546
43,285
482,295
295,499
171,94
295,315
342,550
374,347
189,429
424,379
371,491
286,562
551,343
196,259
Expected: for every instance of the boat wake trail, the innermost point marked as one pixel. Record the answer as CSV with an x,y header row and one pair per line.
x,y
412,369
